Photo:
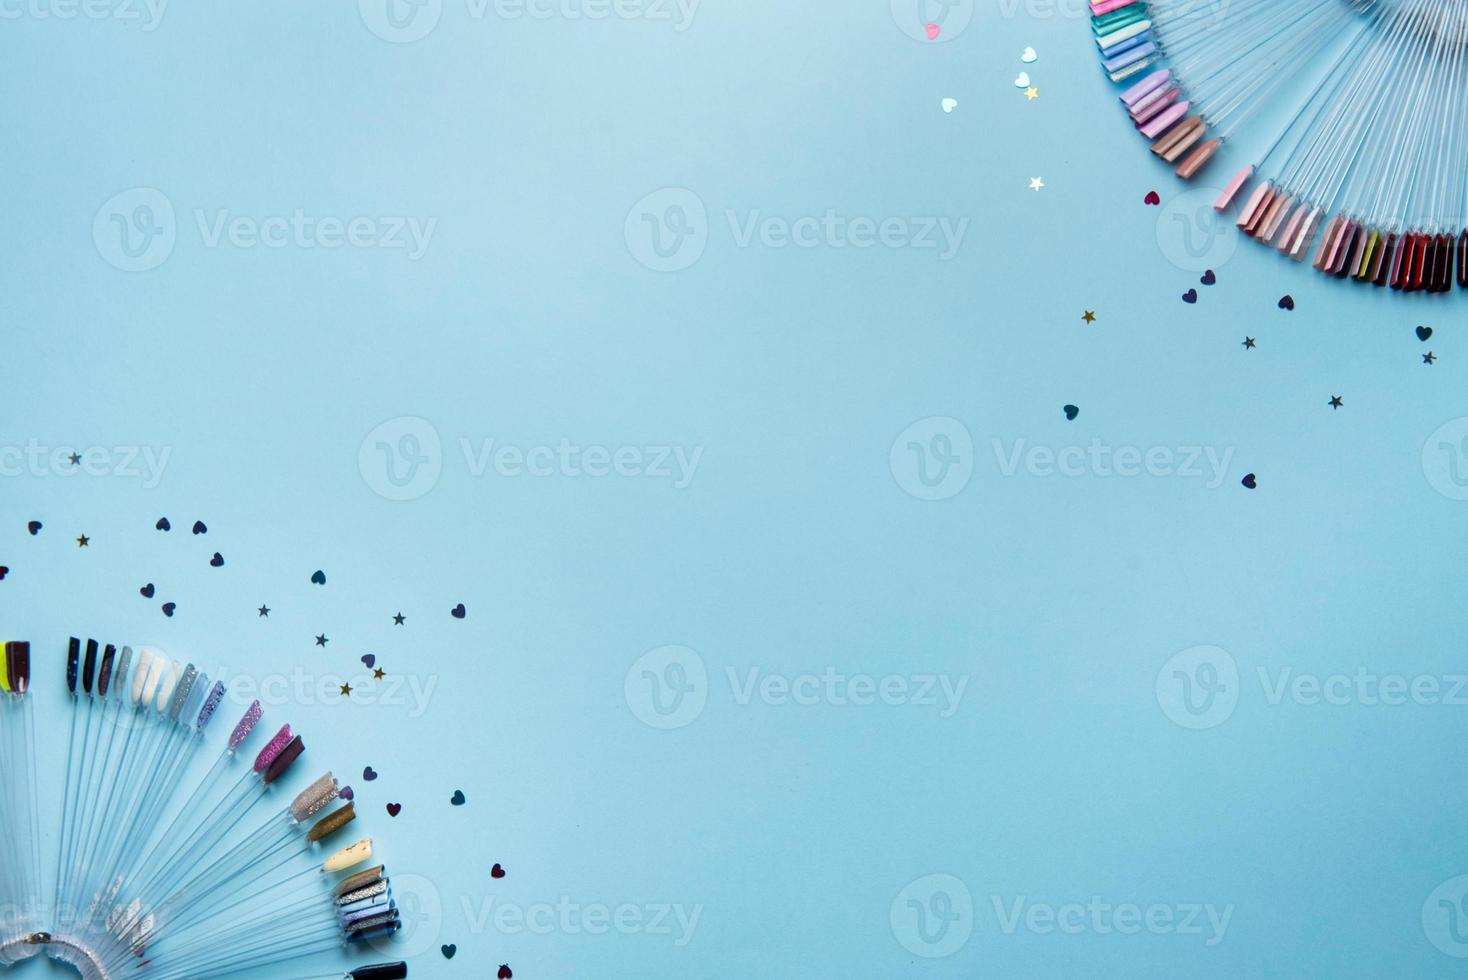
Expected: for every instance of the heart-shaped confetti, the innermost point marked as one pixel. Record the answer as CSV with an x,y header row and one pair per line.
x,y
458,611
217,561
505,972
448,950
168,608
199,528
1071,412
1022,80
1208,277
347,793
146,591
496,871
1028,56
369,661
933,30
393,809
1287,302
1152,198
1423,333
457,799
34,527
369,774
318,577
1191,296
949,104
4,571
163,524
1249,481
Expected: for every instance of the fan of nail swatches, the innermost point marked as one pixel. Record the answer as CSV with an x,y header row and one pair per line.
x,y
158,876
1347,121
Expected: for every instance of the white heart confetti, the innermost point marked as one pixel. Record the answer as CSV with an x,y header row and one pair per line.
x,y
1022,80
1028,56
950,104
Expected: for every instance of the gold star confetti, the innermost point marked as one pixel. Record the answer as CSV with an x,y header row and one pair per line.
x,y
346,690
1089,316
378,673
1032,93
83,541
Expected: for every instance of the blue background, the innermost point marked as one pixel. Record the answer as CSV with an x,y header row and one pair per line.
x,y
261,371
